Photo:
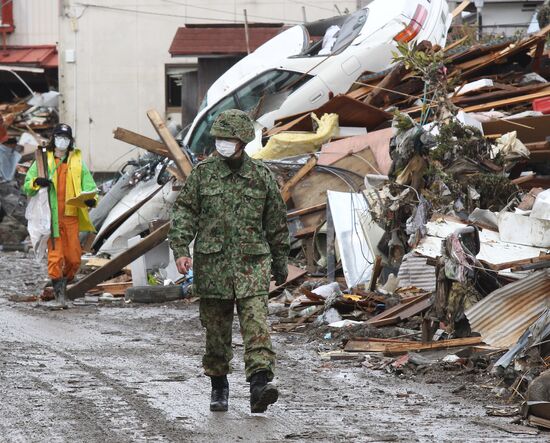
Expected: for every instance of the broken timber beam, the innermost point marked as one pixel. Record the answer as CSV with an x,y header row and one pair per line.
x,y
181,159
135,139
397,347
304,170
508,102
120,261
458,10
306,211
378,95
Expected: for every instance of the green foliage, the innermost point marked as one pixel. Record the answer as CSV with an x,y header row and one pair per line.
x,y
543,16
428,65
458,141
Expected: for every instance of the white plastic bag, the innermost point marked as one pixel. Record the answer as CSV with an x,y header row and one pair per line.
x,y
39,220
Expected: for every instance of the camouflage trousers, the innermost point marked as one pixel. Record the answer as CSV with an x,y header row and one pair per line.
x,y
217,317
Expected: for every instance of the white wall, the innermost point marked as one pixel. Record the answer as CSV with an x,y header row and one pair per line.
x,y
36,22
495,14
121,56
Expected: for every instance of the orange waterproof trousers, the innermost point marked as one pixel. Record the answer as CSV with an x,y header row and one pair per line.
x,y
64,258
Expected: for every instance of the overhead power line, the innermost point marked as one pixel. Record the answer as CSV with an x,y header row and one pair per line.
x,y
164,14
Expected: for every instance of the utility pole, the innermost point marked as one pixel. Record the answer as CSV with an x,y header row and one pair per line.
x,y
246,32
304,18
479,7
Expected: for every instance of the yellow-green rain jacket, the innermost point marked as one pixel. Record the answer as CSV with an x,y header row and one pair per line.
x,y
79,179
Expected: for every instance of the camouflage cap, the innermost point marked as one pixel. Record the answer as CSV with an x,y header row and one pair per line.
x,y
233,123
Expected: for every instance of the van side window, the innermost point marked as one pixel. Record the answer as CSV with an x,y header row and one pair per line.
x,y
350,30
202,141
268,83
267,90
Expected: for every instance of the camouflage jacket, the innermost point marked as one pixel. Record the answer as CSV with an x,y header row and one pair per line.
x,y
238,221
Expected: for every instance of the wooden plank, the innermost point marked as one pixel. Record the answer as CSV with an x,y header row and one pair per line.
x,y
458,10
331,246
120,261
455,44
312,190
306,211
112,288
539,421
305,232
402,311
524,179
466,100
510,50
508,102
377,270
135,139
516,263
407,346
350,112
538,146
98,262
385,87
302,172
181,159
40,163
294,273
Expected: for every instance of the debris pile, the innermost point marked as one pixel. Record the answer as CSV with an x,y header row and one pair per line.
x,y
418,204
24,125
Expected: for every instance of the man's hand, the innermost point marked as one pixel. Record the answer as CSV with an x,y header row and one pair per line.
x,y
90,203
184,264
42,182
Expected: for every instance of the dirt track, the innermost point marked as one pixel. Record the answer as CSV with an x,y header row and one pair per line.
x,y
132,373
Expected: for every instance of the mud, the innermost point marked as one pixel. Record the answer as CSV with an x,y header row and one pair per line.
x,y
132,373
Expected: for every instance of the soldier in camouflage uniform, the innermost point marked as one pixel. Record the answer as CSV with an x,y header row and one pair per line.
x,y
232,207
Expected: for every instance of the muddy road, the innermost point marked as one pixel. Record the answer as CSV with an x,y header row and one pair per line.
x,y
132,373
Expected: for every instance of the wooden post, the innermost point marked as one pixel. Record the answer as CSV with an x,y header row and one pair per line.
x,y
182,161
287,188
142,142
376,271
246,36
458,10
120,261
331,253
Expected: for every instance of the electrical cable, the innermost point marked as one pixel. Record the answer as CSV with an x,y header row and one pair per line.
x,y
163,14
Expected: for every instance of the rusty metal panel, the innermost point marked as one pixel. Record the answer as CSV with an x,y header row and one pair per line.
x,y
504,315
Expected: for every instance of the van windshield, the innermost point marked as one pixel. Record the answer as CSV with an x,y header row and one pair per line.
x,y
253,94
350,30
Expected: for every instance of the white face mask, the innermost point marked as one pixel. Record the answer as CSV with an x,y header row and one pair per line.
x,y
226,148
61,143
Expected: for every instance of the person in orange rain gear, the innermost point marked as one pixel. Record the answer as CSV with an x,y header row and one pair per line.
x,y
68,177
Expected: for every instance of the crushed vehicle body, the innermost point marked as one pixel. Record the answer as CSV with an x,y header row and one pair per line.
x,y
299,70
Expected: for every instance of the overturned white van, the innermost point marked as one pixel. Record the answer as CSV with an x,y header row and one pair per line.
x,y
293,72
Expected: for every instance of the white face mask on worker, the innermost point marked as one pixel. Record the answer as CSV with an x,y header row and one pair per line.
x,y
226,148
61,143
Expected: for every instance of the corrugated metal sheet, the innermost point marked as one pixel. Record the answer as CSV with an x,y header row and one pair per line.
x,y
44,56
415,272
504,315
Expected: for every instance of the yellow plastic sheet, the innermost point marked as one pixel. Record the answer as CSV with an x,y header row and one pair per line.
x,y
288,144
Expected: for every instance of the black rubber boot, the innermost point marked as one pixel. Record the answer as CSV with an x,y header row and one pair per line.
x,y
220,393
262,393
59,289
